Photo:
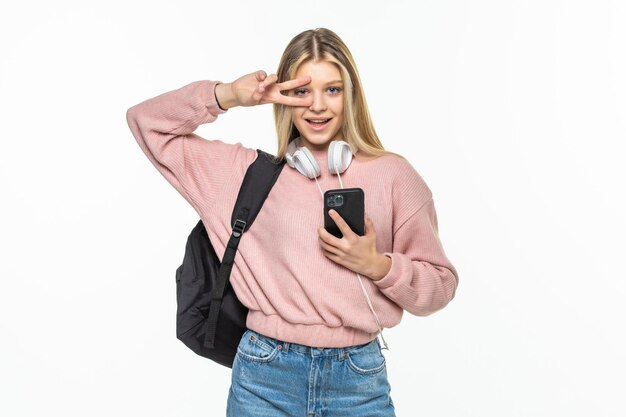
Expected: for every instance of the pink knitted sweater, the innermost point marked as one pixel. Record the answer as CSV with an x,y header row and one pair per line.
x,y
295,293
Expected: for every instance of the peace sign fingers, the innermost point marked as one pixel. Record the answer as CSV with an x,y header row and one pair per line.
x,y
297,82
274,93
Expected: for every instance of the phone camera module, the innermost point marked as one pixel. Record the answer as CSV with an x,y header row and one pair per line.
x,y
335,200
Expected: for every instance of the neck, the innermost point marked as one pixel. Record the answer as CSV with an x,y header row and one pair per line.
x,y
315,148
319,153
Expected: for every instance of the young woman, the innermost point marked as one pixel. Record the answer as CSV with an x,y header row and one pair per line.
x,y
316,302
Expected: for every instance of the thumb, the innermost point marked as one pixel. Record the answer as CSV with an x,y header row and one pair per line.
x,y
369,225
260,75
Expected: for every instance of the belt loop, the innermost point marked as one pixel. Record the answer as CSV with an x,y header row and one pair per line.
x,y
342,354
285,347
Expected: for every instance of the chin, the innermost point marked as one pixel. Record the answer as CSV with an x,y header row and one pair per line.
x,y
318,138
319,142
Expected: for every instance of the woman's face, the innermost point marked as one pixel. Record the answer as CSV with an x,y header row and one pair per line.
x,y
326,89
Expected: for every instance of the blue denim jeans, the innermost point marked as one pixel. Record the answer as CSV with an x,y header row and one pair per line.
x,y
273,378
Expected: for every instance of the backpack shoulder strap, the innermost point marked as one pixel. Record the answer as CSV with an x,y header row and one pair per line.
x,y
255,187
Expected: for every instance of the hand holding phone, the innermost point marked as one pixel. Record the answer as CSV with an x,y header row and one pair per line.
x,y
350,204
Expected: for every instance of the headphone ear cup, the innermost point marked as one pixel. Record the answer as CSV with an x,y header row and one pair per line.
x,y
306,163
339,156
292,147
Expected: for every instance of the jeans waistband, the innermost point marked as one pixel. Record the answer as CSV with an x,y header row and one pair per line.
x,y
312,350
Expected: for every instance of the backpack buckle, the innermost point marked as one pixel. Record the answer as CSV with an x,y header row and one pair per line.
x,y
238,228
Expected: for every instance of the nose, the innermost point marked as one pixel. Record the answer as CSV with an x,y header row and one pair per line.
x,y
318,104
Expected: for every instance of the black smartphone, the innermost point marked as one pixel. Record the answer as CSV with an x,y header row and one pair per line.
x,y
350,204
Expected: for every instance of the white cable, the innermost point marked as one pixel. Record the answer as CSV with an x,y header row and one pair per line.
x,y
340,183
369,302
320,188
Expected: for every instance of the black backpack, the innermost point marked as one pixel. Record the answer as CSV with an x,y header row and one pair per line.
x,y
210,319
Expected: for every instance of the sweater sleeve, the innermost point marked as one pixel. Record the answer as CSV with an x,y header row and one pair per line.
x,y
198,168
421,280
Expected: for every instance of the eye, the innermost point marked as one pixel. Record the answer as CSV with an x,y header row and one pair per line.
x,y
337,89
299,90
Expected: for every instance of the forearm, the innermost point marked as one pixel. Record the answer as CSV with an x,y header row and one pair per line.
x,y
421,279
419,287
176,112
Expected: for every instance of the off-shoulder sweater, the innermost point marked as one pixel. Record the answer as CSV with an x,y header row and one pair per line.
x,y
293,291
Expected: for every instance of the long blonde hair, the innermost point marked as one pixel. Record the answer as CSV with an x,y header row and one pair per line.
x,y
323,44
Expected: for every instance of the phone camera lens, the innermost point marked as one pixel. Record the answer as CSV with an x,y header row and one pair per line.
x,y
335,200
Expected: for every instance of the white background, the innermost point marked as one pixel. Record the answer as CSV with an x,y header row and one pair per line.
x,y
512,111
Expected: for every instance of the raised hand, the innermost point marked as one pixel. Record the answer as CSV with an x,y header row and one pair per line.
x,y
258,88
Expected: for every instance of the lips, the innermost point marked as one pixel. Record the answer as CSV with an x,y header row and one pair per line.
x,y
318,124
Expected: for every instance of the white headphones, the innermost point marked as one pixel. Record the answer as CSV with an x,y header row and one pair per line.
x,y
339,158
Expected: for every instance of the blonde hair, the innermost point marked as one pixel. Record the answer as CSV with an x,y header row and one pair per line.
x,y
323,44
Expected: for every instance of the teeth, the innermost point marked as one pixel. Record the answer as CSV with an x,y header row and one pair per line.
x,y
319,121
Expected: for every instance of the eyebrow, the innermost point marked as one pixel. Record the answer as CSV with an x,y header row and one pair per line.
x,y
333,82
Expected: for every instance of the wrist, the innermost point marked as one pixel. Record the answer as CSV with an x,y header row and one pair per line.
x,y
382,266
224,96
